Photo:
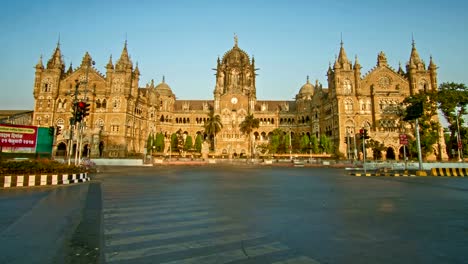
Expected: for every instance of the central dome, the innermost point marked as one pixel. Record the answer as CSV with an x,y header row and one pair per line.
x,y
236,56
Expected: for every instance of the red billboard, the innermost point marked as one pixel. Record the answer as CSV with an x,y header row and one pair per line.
x,y
16,136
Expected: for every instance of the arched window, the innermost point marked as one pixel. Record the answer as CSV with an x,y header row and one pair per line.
x,y
349,106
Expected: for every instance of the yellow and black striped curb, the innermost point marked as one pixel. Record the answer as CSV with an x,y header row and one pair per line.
x,y
449,172
382,175
42,180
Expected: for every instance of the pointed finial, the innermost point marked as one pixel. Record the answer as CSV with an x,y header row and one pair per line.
x,y
164,79
307,78
235,39
58,41
412,39
341,39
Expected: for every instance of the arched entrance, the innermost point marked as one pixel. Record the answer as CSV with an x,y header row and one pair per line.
x,y
402,151
101,148
390,154
85,151
61,150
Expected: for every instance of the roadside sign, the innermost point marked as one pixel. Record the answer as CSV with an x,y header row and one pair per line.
x,y
403,139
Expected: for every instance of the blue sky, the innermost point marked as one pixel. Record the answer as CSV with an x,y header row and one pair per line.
x,y
182,39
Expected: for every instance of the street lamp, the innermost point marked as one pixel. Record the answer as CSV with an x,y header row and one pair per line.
x,y
459,142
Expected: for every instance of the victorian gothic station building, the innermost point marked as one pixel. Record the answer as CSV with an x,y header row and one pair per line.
x,y
124,114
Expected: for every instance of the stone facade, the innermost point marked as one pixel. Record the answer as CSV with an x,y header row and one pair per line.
x,y
124,114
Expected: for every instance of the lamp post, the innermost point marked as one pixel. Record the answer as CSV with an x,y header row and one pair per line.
x,y
459,142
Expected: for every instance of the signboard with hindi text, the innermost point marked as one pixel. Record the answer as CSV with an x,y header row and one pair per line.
x,y
16,136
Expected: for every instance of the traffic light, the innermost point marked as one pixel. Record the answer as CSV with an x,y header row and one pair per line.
x,y
79,111
51,130
58,131
86,110
366,136
78,115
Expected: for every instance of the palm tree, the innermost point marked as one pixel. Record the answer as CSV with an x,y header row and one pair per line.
x,y
213,126
247,126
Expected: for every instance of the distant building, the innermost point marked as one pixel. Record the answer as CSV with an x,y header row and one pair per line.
x,y
124,114
16,117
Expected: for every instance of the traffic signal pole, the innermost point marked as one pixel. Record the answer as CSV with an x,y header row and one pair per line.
x,y
419,144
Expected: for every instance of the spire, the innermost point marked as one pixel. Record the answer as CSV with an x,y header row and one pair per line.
x,y
124,60
400,69
164,79
432,65
415,60
308,79
337,65
356,66
381,59
235,40
137,71
70,69
329,71
110,65
56,60
342,58
39,64
87,60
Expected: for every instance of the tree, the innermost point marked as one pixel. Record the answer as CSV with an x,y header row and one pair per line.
x,y
198,143
213,126
453,100
304,144
287,144
149,143
325,144
376,148
428,127
188,143
174,142
314,144
159,142
275,141
247,126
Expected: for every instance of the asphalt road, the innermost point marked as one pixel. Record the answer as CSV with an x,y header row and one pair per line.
x,y
280,215
237,215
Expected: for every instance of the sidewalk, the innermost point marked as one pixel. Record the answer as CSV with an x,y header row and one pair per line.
x,y
39,234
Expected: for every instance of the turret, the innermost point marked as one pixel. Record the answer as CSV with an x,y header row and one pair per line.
x,y
342,60
38,75
381,59
55,62
124,63
357,73
433,73
70,69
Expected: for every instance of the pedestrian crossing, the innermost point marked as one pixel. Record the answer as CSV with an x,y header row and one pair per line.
x,y
142,226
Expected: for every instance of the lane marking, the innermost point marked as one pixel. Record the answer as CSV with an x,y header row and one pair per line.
x,y
161,226
184,246
151,218
233,255
138,206
155,212
176,234
298,260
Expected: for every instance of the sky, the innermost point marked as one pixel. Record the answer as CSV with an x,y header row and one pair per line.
x,y
182,40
